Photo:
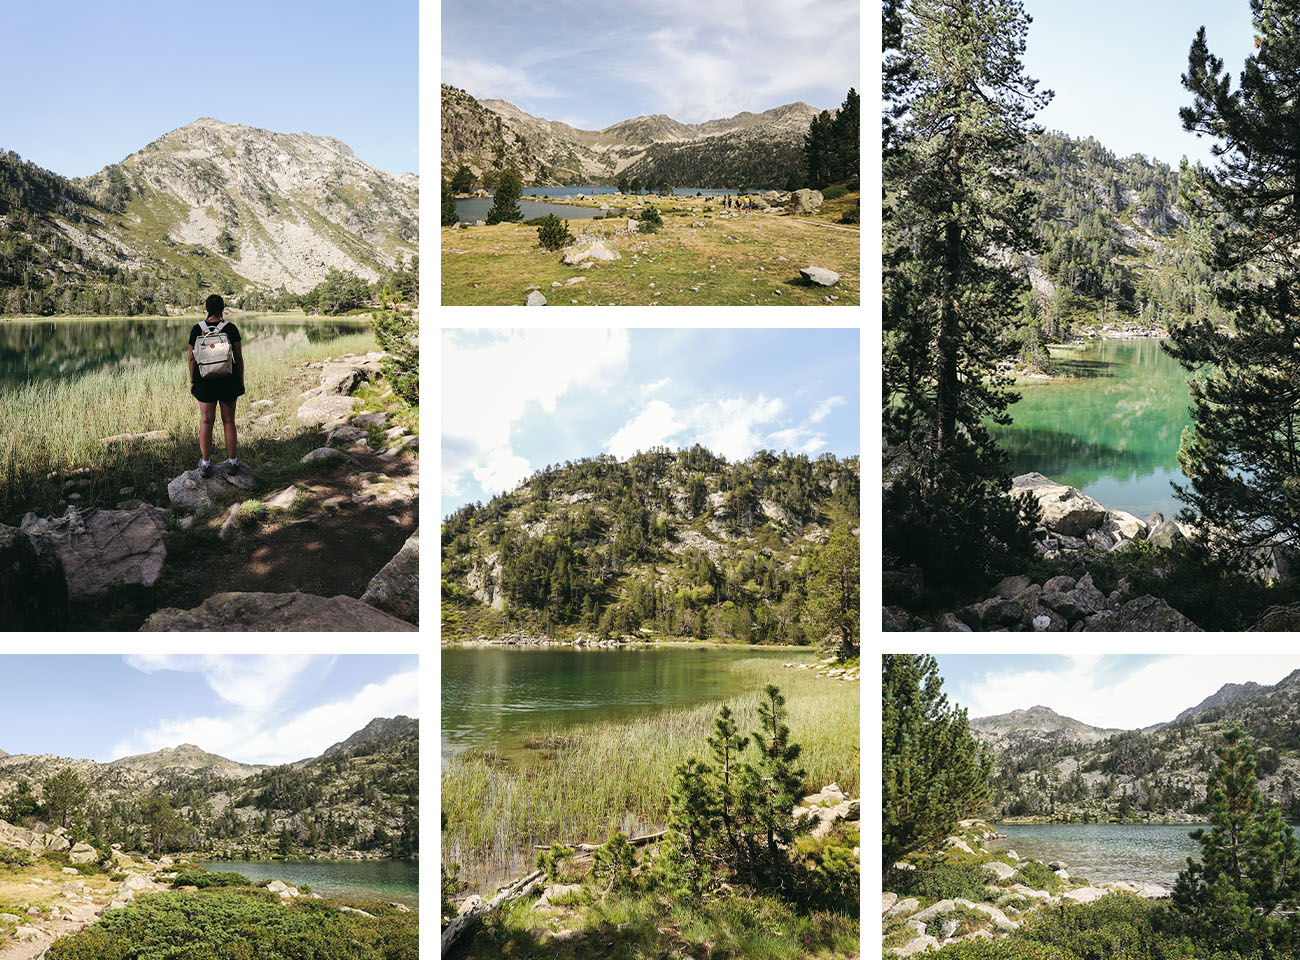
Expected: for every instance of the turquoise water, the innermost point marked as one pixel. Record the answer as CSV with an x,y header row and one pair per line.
x,y
33,350
395,880
476,208
498,697
1112,429
1104,852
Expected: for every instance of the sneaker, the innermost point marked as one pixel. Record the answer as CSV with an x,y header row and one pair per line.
x,y
205,468
232,466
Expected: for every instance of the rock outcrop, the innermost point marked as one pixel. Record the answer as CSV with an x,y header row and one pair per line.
x,y
192,491
101,549
820,276
32,585
395,589
806,201
276,612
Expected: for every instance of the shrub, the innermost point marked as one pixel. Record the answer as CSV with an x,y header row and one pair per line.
x,y
554,862
505,208
1034,874
850,216
650,220
202,879
398,336
553,233
13,857
947,881
613,864
834,191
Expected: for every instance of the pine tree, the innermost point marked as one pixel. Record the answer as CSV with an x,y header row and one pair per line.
x,y
505,209
463,180
613,866
834,596
845,137
769,789
933,771
818,149
65,794
1244,892
954,210
449,214
1242,453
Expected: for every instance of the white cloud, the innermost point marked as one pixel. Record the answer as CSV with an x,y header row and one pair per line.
x,y
654,426
488,386
262,734
250,682
825,407
486,80
657,385
813,444
1155,692
730,426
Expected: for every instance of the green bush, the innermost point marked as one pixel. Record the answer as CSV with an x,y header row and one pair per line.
x,y
553,233
244,925
13,857
947,881
1006,948
202,879
650,220
835,191
1034,874
850,216
398,336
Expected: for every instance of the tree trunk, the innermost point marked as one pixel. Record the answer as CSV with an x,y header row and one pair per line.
x,y
521,887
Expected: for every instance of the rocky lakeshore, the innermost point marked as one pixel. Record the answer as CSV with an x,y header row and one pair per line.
x,y
1014,889
1073,526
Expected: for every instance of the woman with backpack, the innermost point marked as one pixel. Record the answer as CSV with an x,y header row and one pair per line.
x,y
216,377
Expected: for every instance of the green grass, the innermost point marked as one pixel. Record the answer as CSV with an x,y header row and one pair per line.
x,y
55,426
608,774
495,265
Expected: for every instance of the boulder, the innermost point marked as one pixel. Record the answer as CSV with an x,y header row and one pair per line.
x,y
1124,525
1064,509
32,586
342,378
1084,894
133,883
326,410
917,945
999,870
367,420
344,433
903,908
1012,587
395,589
597,251
190,491
1165,535
1276,618
283,500
1148,613
535,299
819,276
895,619
82,853
276,612
101,549
950,623
992,613
887,900
806,201
325,453
555,891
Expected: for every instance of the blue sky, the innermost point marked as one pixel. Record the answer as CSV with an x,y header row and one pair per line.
x,y
1123,691
88,83
254,709
515,401
1115,66
592,65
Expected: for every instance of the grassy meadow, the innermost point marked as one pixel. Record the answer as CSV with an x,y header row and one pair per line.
x,y
751,259
602,778
50,429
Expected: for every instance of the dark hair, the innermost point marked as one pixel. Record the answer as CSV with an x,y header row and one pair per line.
x,y
214,305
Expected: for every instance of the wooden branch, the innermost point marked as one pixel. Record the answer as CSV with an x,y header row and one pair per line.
x,y
591,847
521,887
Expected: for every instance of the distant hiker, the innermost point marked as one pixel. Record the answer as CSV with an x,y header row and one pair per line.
x,y
216,377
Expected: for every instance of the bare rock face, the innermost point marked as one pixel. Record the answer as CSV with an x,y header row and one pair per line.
x,y
102,549
806,201
326,410
276,612
396,588
1064,509
191,491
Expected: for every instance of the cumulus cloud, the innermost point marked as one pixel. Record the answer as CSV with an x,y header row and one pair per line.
x,y
490,381
654,426
825,407
486,80
262,728
729,426
1099,691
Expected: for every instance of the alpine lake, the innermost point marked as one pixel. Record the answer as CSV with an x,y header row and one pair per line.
x,y
1109,424
65,348
476,208
391,880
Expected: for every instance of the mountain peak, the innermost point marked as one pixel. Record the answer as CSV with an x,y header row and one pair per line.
x,y
376,729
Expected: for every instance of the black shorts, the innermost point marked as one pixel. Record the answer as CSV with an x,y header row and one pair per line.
x,y
217,389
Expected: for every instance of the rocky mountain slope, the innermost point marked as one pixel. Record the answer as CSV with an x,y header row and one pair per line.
x,y
748,149
1036,723
359,798
211,205
673,543
1155,773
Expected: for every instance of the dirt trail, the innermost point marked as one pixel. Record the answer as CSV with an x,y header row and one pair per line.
x,y
818,223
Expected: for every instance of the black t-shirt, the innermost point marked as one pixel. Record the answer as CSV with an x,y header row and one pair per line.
x,y
229,330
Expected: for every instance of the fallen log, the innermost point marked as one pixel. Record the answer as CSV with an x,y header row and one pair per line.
x,y
592,847
521,887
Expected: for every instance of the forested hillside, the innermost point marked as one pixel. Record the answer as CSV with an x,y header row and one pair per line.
x,y
359,798
1153,773
670,543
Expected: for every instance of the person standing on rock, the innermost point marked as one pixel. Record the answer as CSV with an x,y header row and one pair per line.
x,y
213,389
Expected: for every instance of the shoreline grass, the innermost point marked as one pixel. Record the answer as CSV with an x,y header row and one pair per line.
x,y
618,776
51,428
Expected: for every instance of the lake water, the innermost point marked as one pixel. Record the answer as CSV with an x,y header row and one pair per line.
x,y
394,880
499,697
1105,852
32,350
476,208
1112,430
589,190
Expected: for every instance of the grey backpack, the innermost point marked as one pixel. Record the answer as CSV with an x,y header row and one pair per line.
x,y
213,354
